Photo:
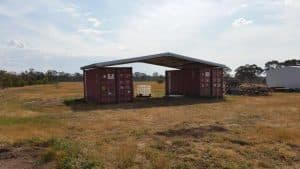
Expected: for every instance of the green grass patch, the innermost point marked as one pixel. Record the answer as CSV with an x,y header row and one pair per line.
x,y
65,153
27,120
69,155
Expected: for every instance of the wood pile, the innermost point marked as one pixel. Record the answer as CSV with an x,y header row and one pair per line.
x,y
254,90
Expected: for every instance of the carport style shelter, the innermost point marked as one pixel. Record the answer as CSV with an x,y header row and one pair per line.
x,y
194,77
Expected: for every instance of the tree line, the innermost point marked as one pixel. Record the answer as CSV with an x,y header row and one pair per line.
x,y
32,77
251,73
138,76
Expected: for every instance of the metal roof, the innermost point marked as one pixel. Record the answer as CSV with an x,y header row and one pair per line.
x,y
163,59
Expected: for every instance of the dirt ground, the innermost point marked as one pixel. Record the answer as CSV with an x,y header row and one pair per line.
x,y
237,132
24,157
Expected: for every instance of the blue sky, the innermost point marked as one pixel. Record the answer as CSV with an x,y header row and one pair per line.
x,y
64,35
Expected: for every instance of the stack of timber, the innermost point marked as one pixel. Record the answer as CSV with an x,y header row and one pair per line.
x,y
254,90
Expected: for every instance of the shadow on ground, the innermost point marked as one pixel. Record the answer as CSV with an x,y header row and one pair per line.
x,y
81,105
197,132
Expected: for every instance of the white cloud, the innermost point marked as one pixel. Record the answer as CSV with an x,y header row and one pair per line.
x,y
15,44
94,21
241,22
71,10
236,8
169,26
91,31
244,5
289,2
195,28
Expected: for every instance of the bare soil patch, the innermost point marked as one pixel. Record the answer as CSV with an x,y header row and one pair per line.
x,y
20,157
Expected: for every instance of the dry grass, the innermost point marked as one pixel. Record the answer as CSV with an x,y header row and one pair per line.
x,y
238,132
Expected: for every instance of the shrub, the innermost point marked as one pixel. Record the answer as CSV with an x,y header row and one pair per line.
x,y
49,156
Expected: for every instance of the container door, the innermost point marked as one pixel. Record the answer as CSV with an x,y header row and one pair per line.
x,y
217,82
107,86
90,81
124,85
174,82
205,82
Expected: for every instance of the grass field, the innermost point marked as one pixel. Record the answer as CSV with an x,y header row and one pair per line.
x,y
50,127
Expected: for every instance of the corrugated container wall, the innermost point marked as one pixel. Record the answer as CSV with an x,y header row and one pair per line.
x,y
174,82
195,81
108,85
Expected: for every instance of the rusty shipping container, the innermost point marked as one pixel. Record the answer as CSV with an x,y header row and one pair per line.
x,y
108,85
205,82
124,85
174,82
90,77
217,82
195,81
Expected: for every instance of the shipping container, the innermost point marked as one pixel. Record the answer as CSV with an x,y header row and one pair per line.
x,y
174,82
205,82
217,82
108,85
90,85
195,81
124,85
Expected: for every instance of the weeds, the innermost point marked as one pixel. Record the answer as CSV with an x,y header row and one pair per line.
x,y
160,145
139,133
26,120
181,143
237,132
125,155
48,156
66,154
157,160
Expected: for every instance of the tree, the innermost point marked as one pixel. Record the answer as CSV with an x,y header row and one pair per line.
x,y
274,64
155,74
248,73
291,62
2,77
32,77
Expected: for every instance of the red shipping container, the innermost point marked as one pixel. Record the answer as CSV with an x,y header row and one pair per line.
x,y
108,85
217,82
124,85
174,82
195,81
205,82
90,79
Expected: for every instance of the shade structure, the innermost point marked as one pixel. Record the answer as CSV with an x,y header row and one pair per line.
x,y
195,78
167,59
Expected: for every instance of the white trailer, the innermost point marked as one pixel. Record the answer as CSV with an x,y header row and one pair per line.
x,y
285,77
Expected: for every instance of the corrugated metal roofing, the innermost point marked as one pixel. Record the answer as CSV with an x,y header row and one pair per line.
x,y
163,59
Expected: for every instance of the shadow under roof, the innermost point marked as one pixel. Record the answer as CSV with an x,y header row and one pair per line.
x,y
171,60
